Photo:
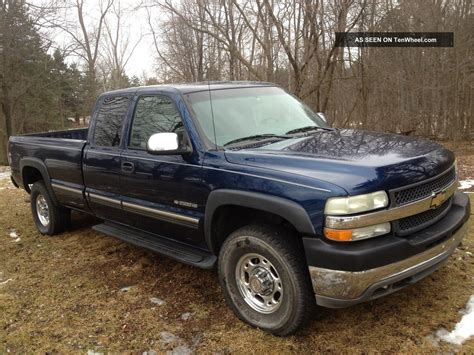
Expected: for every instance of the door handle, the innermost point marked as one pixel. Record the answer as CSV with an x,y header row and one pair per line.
x,y
128,167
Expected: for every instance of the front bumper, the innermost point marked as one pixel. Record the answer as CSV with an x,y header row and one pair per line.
x,y
337,288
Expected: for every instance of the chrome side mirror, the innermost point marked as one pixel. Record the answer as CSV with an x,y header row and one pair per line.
x,y
166,144
322,116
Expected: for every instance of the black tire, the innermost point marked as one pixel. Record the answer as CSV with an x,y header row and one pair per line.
x,y
59,217
283,251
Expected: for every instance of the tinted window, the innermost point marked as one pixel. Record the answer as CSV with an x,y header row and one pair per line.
x,y
154,114
109,121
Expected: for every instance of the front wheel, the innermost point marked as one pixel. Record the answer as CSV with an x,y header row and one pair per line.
x,y
49,218
265,279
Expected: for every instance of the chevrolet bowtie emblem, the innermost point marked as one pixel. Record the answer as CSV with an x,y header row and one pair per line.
x,y
438,199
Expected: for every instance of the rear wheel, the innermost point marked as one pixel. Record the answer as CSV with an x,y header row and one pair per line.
x,y
265,279
49,218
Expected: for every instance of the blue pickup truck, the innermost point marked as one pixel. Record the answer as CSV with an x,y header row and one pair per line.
x,y
244,177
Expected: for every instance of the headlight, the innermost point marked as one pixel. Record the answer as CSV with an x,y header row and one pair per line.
x,y
336,206
343,235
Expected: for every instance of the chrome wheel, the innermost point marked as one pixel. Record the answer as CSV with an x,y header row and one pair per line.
x,y
259,283
42,210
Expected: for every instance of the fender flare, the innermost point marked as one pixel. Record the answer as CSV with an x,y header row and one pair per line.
x,y
287,209
41,167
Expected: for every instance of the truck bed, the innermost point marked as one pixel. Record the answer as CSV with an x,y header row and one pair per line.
x,y
78,133
57,152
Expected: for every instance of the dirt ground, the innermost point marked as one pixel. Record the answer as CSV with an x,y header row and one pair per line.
x,y
84,292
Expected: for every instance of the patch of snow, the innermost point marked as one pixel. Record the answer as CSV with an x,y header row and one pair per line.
x,y
150,352
180,350
463,330
168,338
5,175
157,301
93,352
126,289
186,316
178,345
466,184
15,236
5,282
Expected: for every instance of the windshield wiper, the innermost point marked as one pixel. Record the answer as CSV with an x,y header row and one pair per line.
x,y
307,129
256,137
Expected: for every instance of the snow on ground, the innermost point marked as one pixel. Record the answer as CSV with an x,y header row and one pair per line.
x,y
5,174
186,316
93,352
5,183
463,330
126,289
179,346
157,301
14,236
466,184
5,282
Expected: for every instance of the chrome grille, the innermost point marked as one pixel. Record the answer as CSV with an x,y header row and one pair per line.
x,y
423,189
419,221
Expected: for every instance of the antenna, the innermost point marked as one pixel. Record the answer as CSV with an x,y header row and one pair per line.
x,y
212,112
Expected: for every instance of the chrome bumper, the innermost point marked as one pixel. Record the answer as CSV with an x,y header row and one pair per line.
x,y
336,288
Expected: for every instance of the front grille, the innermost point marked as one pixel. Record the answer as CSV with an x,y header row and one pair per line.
x,y
419,221
424,189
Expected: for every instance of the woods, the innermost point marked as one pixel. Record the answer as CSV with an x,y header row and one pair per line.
x,y
292,43
423,91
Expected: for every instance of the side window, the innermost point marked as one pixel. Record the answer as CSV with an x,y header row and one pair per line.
x,y
109,121
154,114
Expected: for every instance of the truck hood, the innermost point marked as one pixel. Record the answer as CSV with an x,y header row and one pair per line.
x,y
358,161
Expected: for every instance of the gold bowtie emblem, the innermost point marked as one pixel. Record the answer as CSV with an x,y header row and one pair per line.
x,y
438,199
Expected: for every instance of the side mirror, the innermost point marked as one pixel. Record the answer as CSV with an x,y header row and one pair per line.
x,y
166,144
322,116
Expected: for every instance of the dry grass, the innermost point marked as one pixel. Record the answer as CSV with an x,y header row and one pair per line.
x,y
65,296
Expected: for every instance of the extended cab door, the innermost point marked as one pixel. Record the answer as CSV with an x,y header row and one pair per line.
x,y
102,161
161,193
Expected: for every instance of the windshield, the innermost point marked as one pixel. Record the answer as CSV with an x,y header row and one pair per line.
x,y
249,112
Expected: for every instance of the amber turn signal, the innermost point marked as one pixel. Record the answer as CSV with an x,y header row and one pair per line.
x,y
340,235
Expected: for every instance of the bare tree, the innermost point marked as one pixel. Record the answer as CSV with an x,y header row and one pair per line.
x,y
117,46
425,91
85,32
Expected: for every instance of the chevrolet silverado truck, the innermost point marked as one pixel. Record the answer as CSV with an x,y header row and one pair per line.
x,y
244,177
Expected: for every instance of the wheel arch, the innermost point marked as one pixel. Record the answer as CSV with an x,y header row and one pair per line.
x,y
285,209
33,170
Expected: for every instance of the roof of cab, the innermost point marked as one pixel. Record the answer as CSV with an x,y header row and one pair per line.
x,y
191,87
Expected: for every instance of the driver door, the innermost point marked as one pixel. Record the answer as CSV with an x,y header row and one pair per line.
x,y
162,192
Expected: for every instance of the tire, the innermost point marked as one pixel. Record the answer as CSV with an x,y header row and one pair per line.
x,y
286,299
49,218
